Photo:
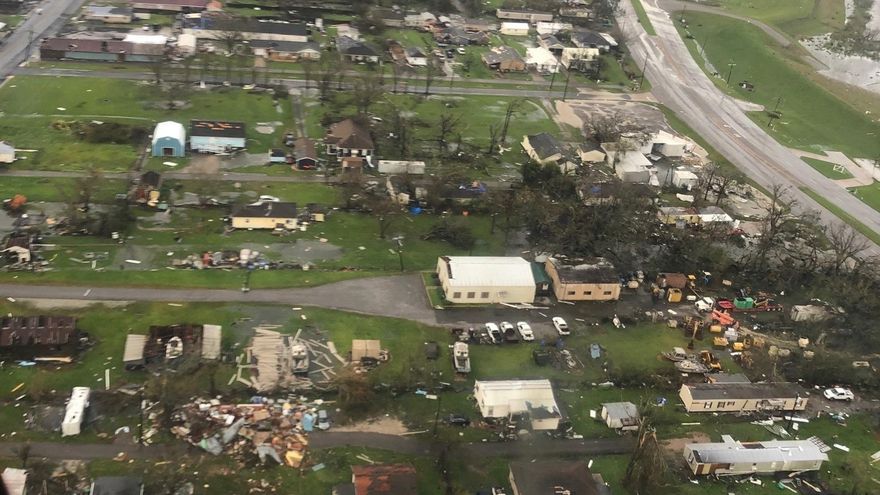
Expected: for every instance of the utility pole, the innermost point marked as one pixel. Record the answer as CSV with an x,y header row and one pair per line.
x,y
644,69
400,251
553,78
730,67
567,78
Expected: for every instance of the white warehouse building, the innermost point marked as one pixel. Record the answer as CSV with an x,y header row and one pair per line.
x,y
486,279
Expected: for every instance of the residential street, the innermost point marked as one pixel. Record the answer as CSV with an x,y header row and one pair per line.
x,y
679,83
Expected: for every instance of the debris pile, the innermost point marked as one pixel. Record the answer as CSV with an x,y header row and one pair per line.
x,y
227,259
275,360
271,429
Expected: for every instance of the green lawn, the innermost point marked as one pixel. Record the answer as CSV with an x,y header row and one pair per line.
x,y
827,169
643,17
795,17
32,103
870,195
846,217
812,118
38,189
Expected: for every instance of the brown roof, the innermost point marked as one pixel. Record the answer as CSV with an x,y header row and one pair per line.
x,y
304,148
349,134
100,46
385,479
547,477
676,280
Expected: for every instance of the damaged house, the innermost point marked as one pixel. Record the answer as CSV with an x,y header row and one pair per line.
x,y
731,457
583,279
743,397
266,215
39,338
508,399
166,343
504,59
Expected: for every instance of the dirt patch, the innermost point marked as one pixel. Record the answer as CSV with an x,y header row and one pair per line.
x,y
386,425
301,250
676,445
70,303
203,164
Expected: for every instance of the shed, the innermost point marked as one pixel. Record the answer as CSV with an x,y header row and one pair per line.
x,y
621,415
684,179
304,153
215,136
730,457
384,479
508,398
360,349
7,152
809,312
169,139
133,355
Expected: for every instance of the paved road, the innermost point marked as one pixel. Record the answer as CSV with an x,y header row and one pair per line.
x,y
679,83
54,14
364,295
540,446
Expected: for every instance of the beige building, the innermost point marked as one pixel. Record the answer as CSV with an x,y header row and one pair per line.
x,y
743,397
507,398
583,280
486,279
266,215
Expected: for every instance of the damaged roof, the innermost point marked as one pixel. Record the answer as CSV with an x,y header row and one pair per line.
x,y
216,128
548,477
384,479
722,391
268,209
585,271
349,134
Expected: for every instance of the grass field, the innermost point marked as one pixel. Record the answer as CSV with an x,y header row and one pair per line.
x,y
643,17
38,189
846,217
827,169
794,17
870,195
813,119
27,118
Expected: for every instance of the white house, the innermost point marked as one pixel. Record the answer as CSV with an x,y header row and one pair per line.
x,y
416,57
507,398
75,412
730,457
486,279
514,28
552,27
684,179
541,60
620,415
7,152
577,57
630,166
668,144
401,167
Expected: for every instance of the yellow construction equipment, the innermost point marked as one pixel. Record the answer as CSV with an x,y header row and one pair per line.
x,y
673,295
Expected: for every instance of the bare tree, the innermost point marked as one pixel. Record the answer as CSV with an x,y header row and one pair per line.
x,y
367,89
395,76
158,70
647,467
494,131
230,40
447,126
429,75
512,108
386,211
845,244
775,222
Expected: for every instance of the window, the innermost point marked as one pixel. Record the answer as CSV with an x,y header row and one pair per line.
x,y
484,295
606,293
571,293
707,405
588,293
456,295
471,295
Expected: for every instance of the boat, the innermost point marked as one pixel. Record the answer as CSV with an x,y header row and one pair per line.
x,y
461,359
688,366
677,354
299,355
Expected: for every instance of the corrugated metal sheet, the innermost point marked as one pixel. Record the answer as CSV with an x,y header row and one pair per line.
x,y
487,271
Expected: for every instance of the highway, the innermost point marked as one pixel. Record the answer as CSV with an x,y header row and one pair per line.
x,y
680,84
46,18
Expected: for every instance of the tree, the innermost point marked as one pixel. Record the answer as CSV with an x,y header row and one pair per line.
x,y
158,70
230,39
355,393
447,126
386,211
395,77
647,468
776,221
367,89
325,79
512,107
429,75
845,244
494,130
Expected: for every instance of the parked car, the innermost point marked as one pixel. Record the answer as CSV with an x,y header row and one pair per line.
x,y
561,326
458,420
268,199
494,333
323,420
509,332
525,331
461,51
839,393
